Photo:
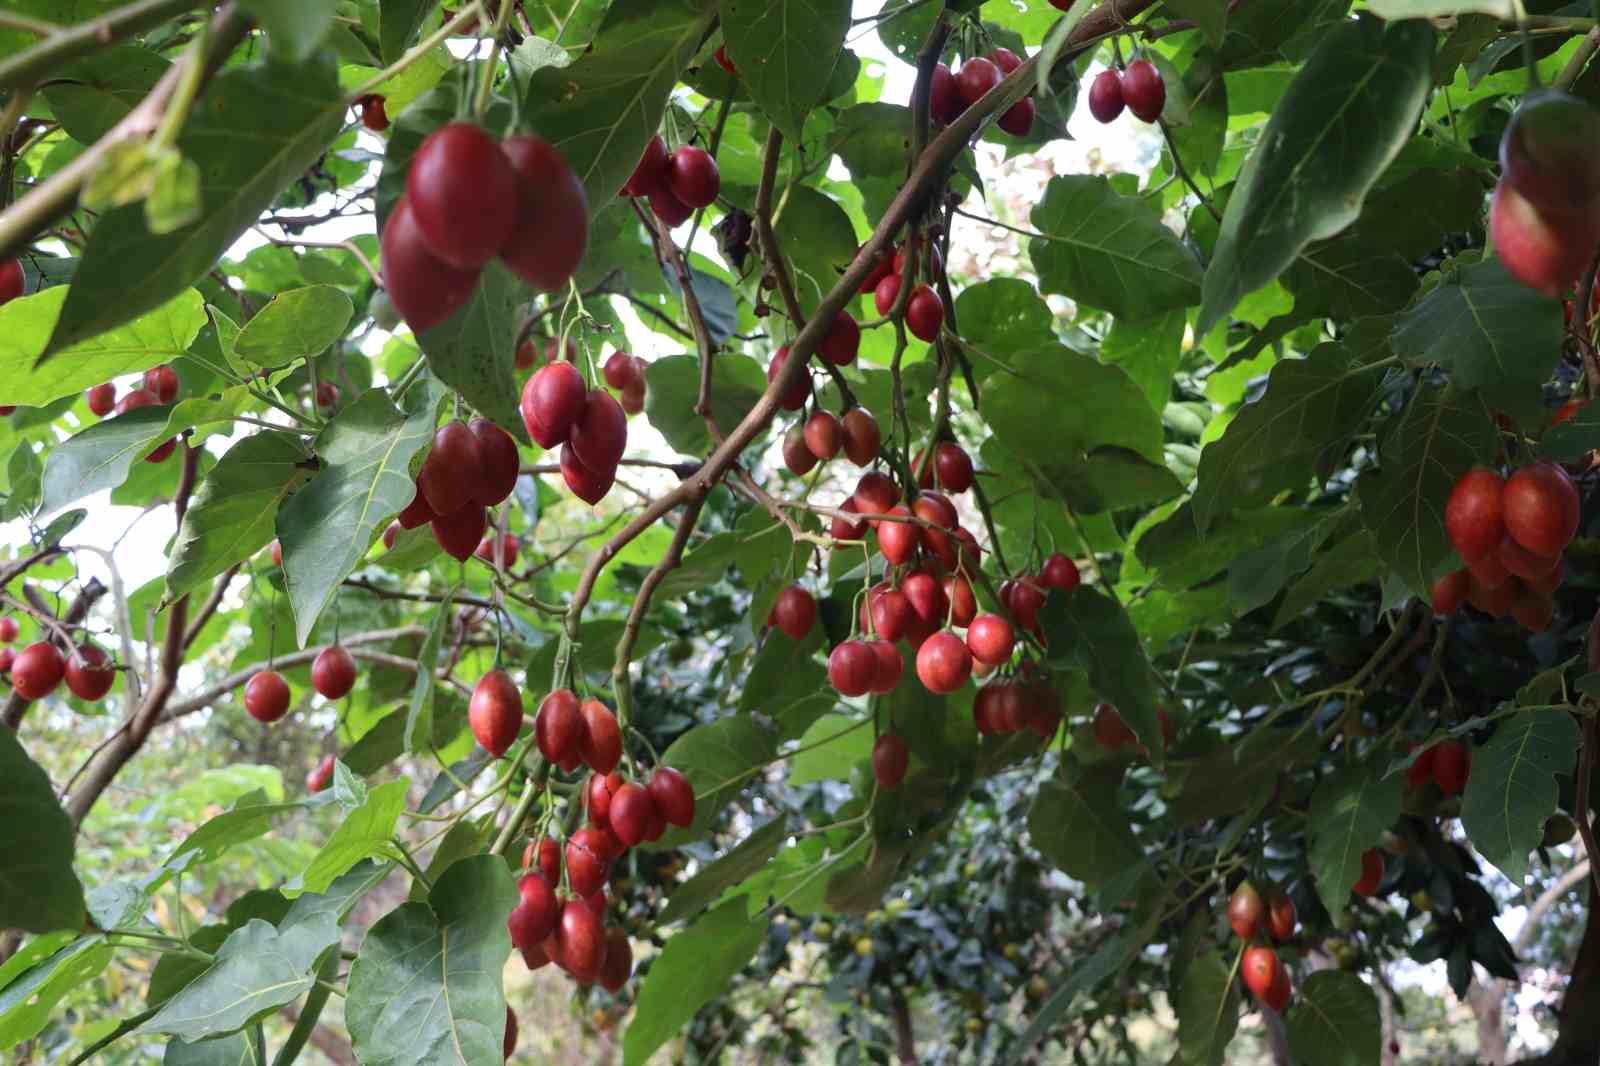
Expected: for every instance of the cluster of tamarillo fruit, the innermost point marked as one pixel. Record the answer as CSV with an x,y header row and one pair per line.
x,y
561,908
950,94
924,313
333,675
1250,914
1139,88
589,424
160,388
1511,533
470,468
676,183
36,670
470,198
1544,216
1447,764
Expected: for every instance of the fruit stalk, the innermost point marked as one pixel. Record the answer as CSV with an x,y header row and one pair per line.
x,y
532,789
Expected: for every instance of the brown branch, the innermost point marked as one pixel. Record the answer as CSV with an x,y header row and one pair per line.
x,y
1586,757
621,685
110,761
209,608
85,37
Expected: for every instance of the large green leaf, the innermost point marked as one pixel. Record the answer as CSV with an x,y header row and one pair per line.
x,y
425,988
694,968
250,816
751,854
1076,823
96,92
257,970
1350,809
101,456
1346,278
326,527
830,749
1295,434
816,236
1109,251
292,114
719,759
295,324
1055,404
36,978
1513,788
294,27
1335,1021
1342,120
160,336
1148,349
1208,1011
1090,630
39,892
233,513
235,1049
785,53
473,350
398,23
364,833
1491,332
1000,317
1444,434
673,384
602,110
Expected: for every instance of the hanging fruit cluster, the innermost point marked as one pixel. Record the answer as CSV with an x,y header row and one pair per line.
x,y
470,469
1544,218
1249,914
952,93
1447,764
559,408
1139,88
1511,533
468,199
676,183
625,373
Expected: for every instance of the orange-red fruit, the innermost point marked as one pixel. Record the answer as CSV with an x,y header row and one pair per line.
x,y
1452,763
11,282
581,941
163,381
1371,872
498,452
602,747
8,630
452,476
721,56
88,672
1540,506
924,313
333,674
898,540
793,397
888,669
588,485
266,695
534,917
1281,918
650,173
890,758
975,78
464,193
673,795
842,341
944,99
990,639
1143,90
618,967
861,436
797,453
1110,730
794,612
499,551
423,288
1546,253
693,177
552,217
943,663
459,534
321,776
1246,909
876,493
1474,516
588,860
559,729
1260,968
632,811
1451,591
852,667
823,436
495,712
1277,996
600,435
1420,772
552,401
1105,96
927,599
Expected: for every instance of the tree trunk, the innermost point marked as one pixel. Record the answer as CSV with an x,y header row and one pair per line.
x,y
1579,1038
904,1039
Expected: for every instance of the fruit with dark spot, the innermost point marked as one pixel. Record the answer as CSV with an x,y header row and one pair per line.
x,y
1246,910
1259,968
1550,153
89,673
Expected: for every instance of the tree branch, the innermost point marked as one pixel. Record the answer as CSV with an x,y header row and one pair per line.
x,y
85,37
621,684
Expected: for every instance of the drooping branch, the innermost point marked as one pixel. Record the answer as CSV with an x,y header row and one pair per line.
x,y
70,42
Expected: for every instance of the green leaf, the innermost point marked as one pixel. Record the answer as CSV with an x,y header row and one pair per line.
x,y
1149,350
174,200
694,968
748,856
101,456
292,113
1076,824
473,350
1109,251
294,27
1574,438
1115,955
250,817
233,512
1343,119
1346,278
787,684
625,75
96,92
1211,16
24,472
1491,332
398,23
35,979
326,527
365,832
785,53
419,715
673,384
1350,810
1091,630
719,759
718,304
160,336
1208,1011
235,1049
296,324
1445,433
1335,1021
1427,9
1182,557
816,235
1296,434
1514,788
833,747
425,987
39,892
1001,317
257,970
1056,403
